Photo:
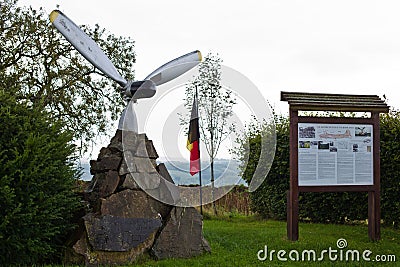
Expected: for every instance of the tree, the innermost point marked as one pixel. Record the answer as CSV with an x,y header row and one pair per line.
x,y
52,74
37,181
215,108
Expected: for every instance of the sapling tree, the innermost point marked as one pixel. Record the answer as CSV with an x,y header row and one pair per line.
x,y
215,105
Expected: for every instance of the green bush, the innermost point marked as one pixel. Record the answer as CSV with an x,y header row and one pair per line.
x,y
390,168
269,200
333,207
37,178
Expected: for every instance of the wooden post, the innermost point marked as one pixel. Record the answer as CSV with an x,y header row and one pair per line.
x,y
293,198
374,210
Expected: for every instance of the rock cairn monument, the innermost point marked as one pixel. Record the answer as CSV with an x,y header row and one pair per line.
x,y
123,223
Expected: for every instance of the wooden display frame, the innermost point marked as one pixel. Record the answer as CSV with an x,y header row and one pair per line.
x,y
341,103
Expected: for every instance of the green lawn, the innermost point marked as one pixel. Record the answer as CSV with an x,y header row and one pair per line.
x,y
236,241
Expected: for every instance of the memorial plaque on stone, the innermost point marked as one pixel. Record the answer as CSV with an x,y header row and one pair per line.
x,y
110,233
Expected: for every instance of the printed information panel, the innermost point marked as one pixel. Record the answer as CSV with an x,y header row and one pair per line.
x,y
335,154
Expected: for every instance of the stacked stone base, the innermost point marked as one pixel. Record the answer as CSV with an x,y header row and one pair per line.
x,y
124,223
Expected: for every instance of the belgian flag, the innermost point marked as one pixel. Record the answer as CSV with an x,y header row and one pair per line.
x,y
193,139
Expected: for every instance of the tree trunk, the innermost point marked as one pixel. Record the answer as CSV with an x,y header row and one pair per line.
x,y
212,187
213,154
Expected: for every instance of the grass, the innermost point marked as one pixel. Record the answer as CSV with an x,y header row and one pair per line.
x,y
235,241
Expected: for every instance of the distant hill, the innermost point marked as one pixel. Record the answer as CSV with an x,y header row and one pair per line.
x,y
226,172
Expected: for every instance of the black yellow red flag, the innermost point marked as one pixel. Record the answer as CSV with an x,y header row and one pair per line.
x,y
193,139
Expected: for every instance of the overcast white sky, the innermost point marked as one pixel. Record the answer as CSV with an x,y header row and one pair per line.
x,y
313,46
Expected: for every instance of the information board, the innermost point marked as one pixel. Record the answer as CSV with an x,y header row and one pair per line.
x,y
335,154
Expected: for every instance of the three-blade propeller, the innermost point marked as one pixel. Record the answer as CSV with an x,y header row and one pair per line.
x,y
95,55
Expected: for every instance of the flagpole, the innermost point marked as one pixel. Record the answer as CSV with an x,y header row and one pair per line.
x,y
198,144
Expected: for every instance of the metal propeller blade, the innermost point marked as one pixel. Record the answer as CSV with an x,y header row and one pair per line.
x,y
175,68
95,55
163,74
85,45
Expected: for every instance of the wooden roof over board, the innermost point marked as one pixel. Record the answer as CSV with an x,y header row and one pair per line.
x,y
334,102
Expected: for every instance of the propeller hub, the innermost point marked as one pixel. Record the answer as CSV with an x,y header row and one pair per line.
x,y
140,89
